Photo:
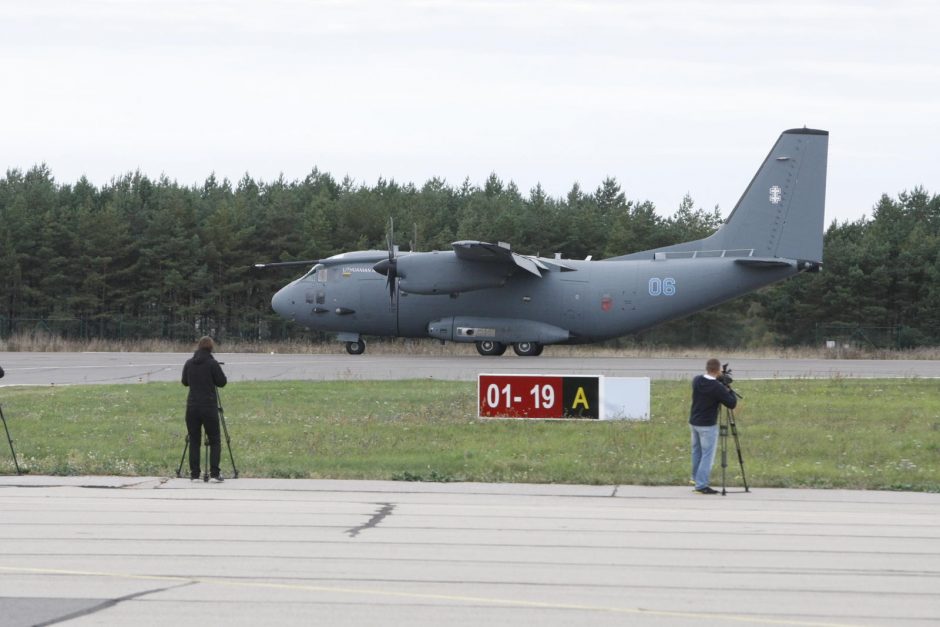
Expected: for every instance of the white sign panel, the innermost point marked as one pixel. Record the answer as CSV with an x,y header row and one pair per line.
x,y
625,398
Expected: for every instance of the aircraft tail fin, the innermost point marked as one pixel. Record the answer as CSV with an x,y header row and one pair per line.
x,y
781,212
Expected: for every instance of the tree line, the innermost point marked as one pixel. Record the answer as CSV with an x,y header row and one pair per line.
x,y
141,257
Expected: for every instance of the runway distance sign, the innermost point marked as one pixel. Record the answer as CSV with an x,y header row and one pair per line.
x,y
562,397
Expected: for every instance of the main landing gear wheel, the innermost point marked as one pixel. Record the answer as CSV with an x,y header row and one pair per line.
x,y
356,348
527,349
489,347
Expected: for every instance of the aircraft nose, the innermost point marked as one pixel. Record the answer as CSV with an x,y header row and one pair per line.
x,y
281,302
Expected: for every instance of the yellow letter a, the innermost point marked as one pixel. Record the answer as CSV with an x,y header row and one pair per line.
x,y
581,398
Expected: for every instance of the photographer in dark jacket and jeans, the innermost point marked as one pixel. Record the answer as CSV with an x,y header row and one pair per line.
x,y
708,394
202,374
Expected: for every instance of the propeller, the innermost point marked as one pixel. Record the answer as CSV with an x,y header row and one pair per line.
x,y
389,267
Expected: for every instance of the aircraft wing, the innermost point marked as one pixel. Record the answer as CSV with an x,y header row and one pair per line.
x,y
473,266
500,253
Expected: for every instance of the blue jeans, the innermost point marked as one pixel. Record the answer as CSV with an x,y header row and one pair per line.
x,y
704,440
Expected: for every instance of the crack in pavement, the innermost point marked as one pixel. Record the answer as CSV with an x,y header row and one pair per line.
x,y
109,603
378,517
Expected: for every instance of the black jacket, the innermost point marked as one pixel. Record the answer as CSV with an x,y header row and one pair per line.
x,y
1,373
707,394
202,374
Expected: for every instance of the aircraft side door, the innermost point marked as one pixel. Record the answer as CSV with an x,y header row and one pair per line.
x,y
377,313
574,296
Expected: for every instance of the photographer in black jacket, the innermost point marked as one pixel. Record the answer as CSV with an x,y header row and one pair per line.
x,y
708,393
202,374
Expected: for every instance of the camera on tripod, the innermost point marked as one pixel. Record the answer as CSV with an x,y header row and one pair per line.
x,y
726,379
725,376
725,424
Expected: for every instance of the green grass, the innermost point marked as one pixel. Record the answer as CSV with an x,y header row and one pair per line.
x,y
872,434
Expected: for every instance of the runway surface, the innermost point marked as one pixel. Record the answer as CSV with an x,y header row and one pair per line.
x,y
90,368
150,551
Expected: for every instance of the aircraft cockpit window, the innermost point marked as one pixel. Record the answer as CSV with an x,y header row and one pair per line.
x,y
317,272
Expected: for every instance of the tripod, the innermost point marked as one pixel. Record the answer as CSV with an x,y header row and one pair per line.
x,y
10,440
726,422
228,442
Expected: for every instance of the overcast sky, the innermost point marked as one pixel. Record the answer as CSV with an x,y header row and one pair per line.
x,y
668,97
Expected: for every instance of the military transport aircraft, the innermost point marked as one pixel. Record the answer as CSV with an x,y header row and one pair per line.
x,y
492,296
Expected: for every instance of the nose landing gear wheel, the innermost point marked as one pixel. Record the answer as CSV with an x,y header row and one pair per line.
x,y
527,349
356,348
489,347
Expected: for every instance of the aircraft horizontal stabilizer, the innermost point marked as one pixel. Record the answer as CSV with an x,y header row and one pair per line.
x,y
758,262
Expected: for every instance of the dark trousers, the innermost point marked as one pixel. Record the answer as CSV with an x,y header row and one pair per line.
x,y
198,418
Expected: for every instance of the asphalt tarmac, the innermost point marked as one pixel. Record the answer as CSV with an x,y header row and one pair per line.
x,y
90,368
151,551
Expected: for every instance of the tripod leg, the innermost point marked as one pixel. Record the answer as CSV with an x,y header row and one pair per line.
x,y
723,436
10,440
179,471
737,446
228,442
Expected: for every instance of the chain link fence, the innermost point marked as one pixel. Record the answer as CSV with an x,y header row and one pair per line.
x,y
849,336
122,327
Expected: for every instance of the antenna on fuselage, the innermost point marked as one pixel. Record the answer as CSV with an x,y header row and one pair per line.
x,y
286,264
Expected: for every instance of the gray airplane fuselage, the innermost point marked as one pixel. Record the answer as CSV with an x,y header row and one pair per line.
x,y
596,301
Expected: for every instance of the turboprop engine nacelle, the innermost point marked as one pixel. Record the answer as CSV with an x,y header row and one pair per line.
x,y
443,273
